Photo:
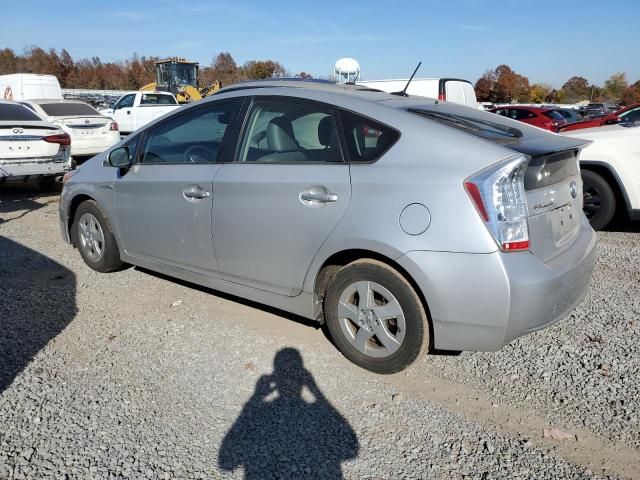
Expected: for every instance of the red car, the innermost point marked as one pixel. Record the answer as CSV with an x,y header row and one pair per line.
x,y
627,114
546,118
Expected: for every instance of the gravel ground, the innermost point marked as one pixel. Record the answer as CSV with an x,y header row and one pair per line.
x,y
101,377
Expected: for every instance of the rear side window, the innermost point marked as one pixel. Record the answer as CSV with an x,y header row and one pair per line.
x,y
157,99
67,109
284,131
367,139
17,112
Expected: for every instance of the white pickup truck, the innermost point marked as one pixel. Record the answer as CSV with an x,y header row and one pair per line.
x,y
135,110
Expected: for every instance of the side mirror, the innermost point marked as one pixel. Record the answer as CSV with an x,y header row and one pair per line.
x,y
119,157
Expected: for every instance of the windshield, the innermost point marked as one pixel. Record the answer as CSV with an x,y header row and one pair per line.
x,y
9,111
67,109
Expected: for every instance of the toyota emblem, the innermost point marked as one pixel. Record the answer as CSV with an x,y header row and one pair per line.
x,y
573,188
18,130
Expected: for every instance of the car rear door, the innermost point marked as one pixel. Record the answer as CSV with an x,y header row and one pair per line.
x,y
163,202
277,203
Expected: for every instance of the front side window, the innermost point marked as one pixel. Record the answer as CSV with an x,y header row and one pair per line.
x,y
125,102
282,131
194,137
367,139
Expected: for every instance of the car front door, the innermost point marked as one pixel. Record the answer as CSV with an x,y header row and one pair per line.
x,y
122,113
278,201
163,202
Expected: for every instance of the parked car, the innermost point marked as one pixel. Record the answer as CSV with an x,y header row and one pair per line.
x,y
90,132
135,110
448,89
450,228
546,118
26,86
610,172
630,114
598,109
31,148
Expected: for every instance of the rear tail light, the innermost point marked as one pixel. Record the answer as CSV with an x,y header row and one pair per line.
x,y
499,197
114,126
60,139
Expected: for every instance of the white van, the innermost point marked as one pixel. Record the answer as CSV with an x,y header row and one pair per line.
x,y
450,89
29,86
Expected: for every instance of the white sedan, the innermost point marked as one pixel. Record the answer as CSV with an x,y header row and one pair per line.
x,y
30,148
91,132
610,172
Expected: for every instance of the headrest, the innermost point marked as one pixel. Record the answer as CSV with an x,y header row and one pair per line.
x,y
326,131
280,137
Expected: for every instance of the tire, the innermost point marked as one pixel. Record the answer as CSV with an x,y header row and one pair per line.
x,y
93,236
380,344
599,200
47,184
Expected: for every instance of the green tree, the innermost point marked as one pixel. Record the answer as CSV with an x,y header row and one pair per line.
x,y
540,93
576,89
615,86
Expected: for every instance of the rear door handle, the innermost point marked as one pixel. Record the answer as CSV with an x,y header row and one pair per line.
x,y
318,197
195,192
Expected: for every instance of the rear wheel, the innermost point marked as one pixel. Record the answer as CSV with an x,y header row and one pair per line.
x,y
92,234
375,317
599,200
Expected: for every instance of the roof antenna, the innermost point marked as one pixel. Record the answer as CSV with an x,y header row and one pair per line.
x,y
403,93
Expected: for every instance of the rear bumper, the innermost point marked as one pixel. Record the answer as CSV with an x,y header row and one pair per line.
x,y
8,172
484,301
90,148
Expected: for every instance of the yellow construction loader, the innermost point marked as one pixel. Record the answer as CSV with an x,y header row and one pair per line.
x,y
180,77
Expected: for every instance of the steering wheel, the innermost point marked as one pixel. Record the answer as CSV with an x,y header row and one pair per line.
x,y
199,154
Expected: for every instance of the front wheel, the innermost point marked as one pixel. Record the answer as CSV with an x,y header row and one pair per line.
x,y
375,317
599,200
92,234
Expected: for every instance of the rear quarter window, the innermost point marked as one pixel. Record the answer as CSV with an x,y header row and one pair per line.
x,y
367,139
157,99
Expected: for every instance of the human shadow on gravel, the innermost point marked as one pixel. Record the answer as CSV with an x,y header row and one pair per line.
x,y
37,302
280,434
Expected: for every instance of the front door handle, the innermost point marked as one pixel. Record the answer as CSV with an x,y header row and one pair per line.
x,y
318,197
195,192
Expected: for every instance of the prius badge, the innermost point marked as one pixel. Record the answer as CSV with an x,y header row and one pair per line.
x,y
573,188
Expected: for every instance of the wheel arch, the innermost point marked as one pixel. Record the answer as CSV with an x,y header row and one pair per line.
x,y
73,208
339,259
606,171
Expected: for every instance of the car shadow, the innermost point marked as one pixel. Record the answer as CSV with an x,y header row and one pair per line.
x,y
24,198
281,434
623,225
37,302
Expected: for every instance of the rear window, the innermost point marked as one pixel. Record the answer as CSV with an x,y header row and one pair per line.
x,y
20,113
157,99
367,139
552,114
67,109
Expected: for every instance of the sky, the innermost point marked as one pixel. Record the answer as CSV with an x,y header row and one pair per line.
x,y
546,40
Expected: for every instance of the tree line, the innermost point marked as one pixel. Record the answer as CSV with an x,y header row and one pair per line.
x,y
129,74
503,85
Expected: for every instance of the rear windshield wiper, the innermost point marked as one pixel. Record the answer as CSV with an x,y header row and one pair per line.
x,y
470,123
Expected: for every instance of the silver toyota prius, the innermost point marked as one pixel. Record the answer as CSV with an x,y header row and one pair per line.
x,y
405,224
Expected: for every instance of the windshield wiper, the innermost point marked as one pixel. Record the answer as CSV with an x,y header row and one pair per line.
x,y
471,123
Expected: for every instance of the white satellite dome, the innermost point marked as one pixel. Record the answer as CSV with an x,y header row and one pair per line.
x,y
346,70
